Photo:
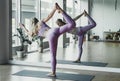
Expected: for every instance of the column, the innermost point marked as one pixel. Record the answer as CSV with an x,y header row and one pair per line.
x,y
5,31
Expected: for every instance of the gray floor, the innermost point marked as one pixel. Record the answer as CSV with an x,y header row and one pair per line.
x,y
105,52
93,52
6,72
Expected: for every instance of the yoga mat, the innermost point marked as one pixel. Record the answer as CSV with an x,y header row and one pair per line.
x,y
60,76
100,64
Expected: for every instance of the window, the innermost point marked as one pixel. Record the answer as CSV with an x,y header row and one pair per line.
x,y
22,12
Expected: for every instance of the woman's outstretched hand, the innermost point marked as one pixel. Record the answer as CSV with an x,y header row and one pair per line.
x,y
85,13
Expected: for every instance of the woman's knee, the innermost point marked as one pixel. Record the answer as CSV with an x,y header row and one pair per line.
x,y
72,24
94,24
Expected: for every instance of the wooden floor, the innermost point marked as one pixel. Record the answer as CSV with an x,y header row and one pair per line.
x,y
93,51
7,71
105,52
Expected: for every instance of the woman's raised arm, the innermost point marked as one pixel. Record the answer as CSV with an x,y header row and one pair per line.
x,y
77,17
50,15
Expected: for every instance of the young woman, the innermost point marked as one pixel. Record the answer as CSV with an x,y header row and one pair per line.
x,y
42,29
80,31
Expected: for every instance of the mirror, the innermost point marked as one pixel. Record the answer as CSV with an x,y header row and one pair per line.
x,y
104,12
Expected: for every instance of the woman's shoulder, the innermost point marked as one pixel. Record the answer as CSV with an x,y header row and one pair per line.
x,y
40,23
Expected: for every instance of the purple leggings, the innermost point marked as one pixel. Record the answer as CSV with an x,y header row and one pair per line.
x,y
53,35
81,32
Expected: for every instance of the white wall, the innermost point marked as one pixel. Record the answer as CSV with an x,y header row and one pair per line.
x,y
105,15
83,6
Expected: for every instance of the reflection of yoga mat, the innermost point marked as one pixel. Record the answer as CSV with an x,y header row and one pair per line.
x,y
82,63
60,76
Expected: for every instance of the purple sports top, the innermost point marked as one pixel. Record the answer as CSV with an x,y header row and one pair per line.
x,y
43,28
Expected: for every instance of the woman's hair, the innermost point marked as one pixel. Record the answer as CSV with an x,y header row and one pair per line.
x,y
34,26
35,21
60,20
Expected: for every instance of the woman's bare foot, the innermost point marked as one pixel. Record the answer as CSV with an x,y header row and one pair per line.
x,y
58,8
85,13
51,75
77,61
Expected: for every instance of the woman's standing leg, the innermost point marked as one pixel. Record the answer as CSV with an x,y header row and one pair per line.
x,y
80,48
53,40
